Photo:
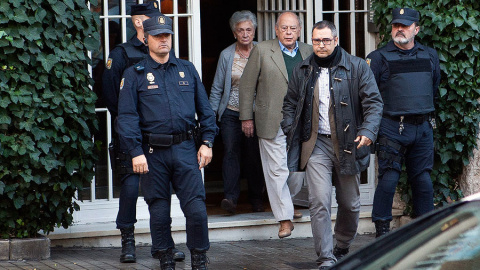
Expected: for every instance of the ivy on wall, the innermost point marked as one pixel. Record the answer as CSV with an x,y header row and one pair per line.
x,y
452,28
47,112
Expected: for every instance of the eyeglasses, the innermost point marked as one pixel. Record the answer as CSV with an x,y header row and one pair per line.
x,y
325,41
284,28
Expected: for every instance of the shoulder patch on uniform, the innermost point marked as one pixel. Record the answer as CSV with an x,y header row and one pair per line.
x,y
121,83
109,63
139,67
368,61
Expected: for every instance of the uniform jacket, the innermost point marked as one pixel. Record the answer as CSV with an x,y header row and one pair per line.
x,y
162,99
355,109
222,83
116,64
266,74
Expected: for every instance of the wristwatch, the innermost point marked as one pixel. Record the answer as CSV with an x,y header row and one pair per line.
x,y
209,144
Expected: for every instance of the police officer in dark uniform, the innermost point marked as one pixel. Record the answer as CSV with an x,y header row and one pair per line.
x,y
408,75
120,58
159,98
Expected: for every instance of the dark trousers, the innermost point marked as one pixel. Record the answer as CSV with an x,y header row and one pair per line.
x,y
236,145
418,141
176,165
127,210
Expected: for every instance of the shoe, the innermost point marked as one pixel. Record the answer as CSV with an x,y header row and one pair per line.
x,y
199,260
339,253
286,228
178,255
128,245
297,214
228,206
166,259
381,227
258,208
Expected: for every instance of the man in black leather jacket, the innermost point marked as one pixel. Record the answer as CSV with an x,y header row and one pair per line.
x,y
331,114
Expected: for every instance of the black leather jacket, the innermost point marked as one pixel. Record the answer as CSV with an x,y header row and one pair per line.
x,y
357,110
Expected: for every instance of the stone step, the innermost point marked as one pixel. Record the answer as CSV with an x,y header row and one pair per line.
x,y
238,227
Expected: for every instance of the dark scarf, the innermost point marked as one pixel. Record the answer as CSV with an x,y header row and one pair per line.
x,y
329,61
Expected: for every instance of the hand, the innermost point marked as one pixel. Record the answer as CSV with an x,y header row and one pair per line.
x,y
247,127
363,141
140,164
204,156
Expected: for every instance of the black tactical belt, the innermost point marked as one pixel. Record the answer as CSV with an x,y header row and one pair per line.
x,y
414,119
165,140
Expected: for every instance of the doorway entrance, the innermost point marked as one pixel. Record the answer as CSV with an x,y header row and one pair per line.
x,y
216,36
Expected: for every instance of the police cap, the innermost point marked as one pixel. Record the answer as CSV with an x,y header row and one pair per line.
x,y
149,9
158,25
405,16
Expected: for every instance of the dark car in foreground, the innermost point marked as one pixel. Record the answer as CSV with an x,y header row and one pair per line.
x,y
445,239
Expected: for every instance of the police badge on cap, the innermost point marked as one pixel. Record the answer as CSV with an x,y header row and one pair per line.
x,y
158,25
405,16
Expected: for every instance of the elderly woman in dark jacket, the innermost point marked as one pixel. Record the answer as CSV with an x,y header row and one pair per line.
x,y
224,101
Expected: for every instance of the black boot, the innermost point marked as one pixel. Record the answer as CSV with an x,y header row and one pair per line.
x,y
199,259
382,227
166,259
339,253
178,255
128,246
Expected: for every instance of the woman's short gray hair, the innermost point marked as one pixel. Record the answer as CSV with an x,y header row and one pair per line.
x,y
242,16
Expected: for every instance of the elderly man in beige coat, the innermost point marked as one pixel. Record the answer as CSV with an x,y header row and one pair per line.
x,y
263,86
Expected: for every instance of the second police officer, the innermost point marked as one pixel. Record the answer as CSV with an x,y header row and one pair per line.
x,y
158,100
408,75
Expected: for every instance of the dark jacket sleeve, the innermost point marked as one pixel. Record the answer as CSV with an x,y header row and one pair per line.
x,y
128,121
111,79
371,102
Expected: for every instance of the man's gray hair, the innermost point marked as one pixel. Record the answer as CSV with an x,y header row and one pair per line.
x,y
242,16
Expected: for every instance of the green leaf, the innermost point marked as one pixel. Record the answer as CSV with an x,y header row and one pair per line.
x,y
45,146
40,14
58,121
25,58
18,42
20,15
51,33
91,43
59,8
18,202
32,32
5,119
47,62
71,166
459,146
69,3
